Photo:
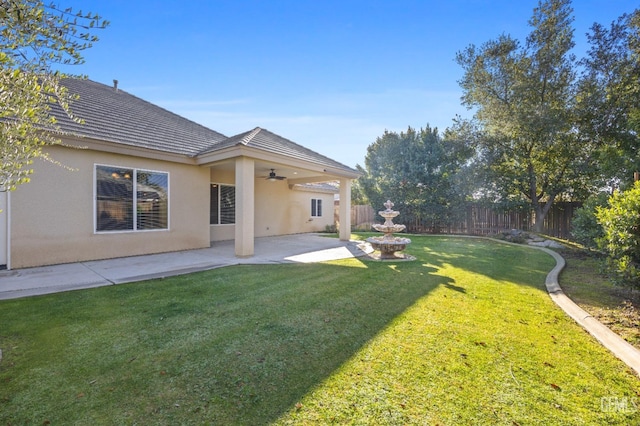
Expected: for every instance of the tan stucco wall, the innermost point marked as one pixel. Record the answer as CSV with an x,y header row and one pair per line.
x,y
278,209
52,216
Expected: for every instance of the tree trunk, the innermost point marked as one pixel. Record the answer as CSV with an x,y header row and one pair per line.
x,y
539,222
541,211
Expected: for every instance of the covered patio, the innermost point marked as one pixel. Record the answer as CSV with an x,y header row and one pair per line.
x,y
267,170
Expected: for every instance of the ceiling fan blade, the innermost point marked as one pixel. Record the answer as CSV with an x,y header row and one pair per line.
x,y
274,176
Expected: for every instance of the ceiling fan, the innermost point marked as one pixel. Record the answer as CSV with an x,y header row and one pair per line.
x,y
273,176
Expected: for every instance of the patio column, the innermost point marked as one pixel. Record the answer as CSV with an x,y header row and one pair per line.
x,y
245,207
345,209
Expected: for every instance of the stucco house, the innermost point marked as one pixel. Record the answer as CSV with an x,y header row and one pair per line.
x,y
139,179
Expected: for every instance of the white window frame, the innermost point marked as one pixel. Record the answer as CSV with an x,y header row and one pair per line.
x,y
316,205
135,200
220,204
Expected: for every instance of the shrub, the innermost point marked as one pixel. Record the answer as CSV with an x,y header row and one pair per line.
x,y
331,229
620,223
585,228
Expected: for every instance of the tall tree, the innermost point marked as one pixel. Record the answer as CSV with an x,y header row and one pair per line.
x,y
524,97
610,88
417,170
34,39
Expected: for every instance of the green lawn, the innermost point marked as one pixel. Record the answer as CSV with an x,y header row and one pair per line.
x,y
465,334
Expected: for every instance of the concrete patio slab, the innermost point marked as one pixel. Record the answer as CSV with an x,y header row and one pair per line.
x,y
303,248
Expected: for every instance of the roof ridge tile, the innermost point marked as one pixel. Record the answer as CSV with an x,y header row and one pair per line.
x,y
245,140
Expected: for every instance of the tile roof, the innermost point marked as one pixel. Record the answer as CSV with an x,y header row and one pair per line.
x,y
117,116
265,140
114,115
331,187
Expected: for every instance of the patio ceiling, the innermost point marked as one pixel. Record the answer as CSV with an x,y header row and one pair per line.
x,y
294,175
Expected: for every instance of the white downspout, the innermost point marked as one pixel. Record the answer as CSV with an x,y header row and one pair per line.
x,y
8,230
5,227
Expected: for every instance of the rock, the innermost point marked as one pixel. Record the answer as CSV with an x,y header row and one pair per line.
x,y
554,244
546,243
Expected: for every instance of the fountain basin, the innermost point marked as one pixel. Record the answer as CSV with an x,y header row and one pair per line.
x,y
389,245
388,229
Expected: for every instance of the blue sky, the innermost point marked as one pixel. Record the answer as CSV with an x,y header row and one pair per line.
x,y
332,75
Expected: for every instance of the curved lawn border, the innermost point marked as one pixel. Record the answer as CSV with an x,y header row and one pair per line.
x,y
610,340
622,349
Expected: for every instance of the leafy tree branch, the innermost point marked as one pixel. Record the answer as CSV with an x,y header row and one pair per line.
x,y
34,38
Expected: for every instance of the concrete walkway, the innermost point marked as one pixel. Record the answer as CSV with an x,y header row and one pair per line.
x,y
301,248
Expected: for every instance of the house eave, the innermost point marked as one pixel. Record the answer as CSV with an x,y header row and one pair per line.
x,y
305,188
130,150
329,173
323,172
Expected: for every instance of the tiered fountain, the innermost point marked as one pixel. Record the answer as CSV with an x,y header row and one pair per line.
x,y
388,245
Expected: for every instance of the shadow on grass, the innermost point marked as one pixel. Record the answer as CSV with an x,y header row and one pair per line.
x,y
522,265
237,345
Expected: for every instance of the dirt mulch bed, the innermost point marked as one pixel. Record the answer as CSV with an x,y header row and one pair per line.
x,y
584,281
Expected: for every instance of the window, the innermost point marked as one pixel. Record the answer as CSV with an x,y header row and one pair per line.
x,y
131,199
223,204
316,207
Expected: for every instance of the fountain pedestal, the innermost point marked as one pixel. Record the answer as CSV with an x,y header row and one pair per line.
x,y
388,245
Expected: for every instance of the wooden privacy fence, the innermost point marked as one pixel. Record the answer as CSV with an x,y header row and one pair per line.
x,y
480,220
363,216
